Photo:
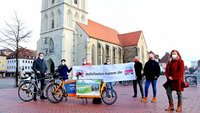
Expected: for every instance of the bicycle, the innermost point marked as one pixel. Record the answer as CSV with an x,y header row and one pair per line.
x,y
192,80
21,80
26,89
56,92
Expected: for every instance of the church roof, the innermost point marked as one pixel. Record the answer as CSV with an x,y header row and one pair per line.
x,y
130,39
101,32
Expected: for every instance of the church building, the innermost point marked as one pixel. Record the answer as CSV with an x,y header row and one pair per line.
x,y
67,33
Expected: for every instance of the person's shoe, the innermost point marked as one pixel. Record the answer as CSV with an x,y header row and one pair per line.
x,y
134,96
154,100
43,97
171,107
179,107
34,99
144,99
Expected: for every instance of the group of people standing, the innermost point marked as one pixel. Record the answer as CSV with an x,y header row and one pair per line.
x,y
174,74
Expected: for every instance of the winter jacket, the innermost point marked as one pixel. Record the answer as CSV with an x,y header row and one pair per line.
x,y
175,69
63,71
39,65
152,70
138,70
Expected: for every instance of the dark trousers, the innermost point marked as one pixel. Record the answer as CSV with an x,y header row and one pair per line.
x,y
169,95
135,82
40,78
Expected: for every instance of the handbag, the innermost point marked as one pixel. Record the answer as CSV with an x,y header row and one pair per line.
x,y
185,84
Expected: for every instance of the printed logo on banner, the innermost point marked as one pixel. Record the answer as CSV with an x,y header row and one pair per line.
x,y
109,73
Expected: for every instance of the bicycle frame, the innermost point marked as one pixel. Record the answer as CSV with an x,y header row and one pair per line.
x,y
35,82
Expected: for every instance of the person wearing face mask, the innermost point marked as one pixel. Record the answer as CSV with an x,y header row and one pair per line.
x,y
151,72
40,69
138,71
108,84
85,62
64,70
175,77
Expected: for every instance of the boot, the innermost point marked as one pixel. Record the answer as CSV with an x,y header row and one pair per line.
x,y
171,107
179,107
144,99
154,100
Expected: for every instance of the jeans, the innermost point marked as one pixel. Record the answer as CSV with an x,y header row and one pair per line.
x,y
140,83
153,83
169,94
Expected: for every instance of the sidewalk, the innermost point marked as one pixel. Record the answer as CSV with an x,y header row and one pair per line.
x,y
10,103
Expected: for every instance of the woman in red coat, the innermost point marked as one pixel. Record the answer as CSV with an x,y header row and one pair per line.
x,y
175,79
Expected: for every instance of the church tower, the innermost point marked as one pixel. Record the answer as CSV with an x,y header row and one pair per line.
x,y
58,18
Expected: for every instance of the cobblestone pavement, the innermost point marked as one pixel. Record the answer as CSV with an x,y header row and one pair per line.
x,y
10,103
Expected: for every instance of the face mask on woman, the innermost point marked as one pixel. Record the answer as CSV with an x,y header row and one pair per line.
x,y
174,56
63,63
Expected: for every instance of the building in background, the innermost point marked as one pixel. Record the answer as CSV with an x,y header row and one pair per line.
x,y
26,58
58,18
67,33
2,64
97,42
6,52
164,60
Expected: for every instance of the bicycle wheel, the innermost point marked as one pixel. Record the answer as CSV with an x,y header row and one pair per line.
x,y
52,95
109,96
26,91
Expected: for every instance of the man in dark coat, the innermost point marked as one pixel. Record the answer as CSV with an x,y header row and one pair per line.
x,y
40,69
152,72
138,71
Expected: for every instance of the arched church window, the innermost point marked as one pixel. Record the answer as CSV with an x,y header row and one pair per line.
x,y
46,40
114,55
53,1
51,46
69,18
93,55
76,16
120,55
75,1
52,24
99,53
82,18
58,21
45,22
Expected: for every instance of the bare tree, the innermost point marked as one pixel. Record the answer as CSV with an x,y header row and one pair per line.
x,y
12,35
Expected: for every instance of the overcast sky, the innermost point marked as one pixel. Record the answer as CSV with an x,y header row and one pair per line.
x,y
166,24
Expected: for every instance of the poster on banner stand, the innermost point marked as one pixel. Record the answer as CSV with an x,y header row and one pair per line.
x,y
108,73
70,87
88,88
